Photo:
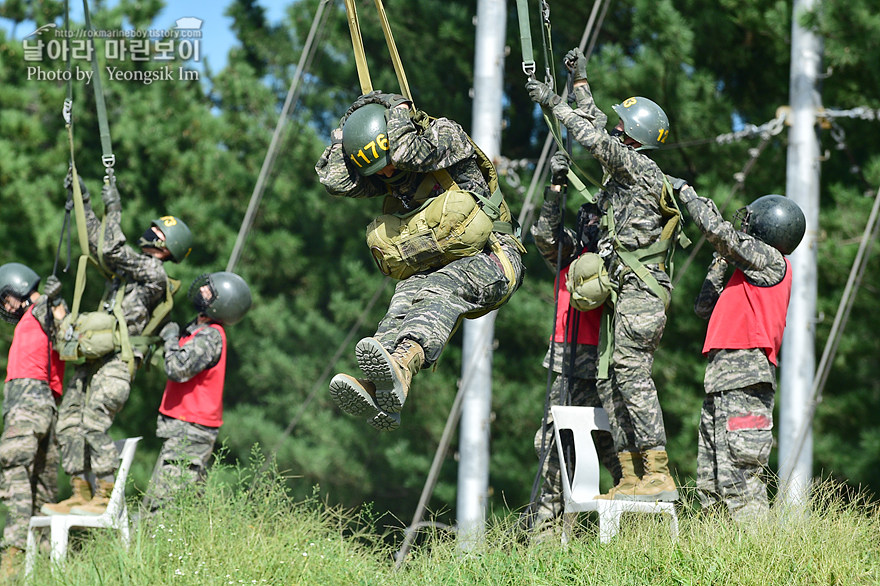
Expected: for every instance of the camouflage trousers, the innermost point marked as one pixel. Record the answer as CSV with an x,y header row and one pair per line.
x,y
735,439
582,393
628,394
93,396
427,307
28,456
182,461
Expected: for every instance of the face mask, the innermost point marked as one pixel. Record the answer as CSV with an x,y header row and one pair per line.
x,y
149,239
616,133
397,178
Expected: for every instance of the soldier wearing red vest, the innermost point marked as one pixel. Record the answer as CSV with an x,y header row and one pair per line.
x,y
29,456
746,322
191,411
572,353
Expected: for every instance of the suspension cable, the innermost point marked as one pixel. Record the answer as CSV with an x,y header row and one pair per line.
x,y
290,101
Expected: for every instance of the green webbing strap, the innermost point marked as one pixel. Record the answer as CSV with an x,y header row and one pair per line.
x,y
163,309
108,158
357,43
606,337
125,352
525,38
631,259
392,49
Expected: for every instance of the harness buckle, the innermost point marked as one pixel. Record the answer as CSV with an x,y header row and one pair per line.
x,y
529,68
108,160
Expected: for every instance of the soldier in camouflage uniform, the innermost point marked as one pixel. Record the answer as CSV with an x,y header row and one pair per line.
x,y
572,351
427,306
99,388
191,412
632,221
34,375
746,322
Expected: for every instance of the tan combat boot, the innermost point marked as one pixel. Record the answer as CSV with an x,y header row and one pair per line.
x,y
631,470
355,396
10,563
656,484
82,493
99,502
391,372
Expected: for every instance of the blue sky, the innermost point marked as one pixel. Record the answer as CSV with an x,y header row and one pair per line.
x,y
217,37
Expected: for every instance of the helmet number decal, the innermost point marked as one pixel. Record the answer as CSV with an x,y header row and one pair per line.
x,y
370,148
661,136
629,102
168,220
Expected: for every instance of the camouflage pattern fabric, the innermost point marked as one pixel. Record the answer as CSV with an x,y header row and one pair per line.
x,y
632,188
182,461
202,351
98,389
427,307
734,445
145,277
736,423
95,393
28,456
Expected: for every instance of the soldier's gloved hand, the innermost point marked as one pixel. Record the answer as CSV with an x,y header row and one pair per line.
x,y
541,93
110,196
576,63
394,100
170,332
52,289
559,164
68,185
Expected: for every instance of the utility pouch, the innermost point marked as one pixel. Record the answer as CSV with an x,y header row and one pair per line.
x,y
92,335
445,228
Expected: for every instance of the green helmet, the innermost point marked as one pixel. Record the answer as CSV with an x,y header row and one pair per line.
x,y
229,298
775,220
588,282
364,139
178,238
19,281
644,121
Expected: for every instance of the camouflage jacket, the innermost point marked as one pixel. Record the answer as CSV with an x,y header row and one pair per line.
x,y
144,275
633,182
200,352
414,151
762,264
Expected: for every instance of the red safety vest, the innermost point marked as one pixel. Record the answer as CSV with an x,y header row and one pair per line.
x,y
200,399
588,321
748,316
28,354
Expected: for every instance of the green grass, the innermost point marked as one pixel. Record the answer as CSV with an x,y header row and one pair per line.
x,y
243,528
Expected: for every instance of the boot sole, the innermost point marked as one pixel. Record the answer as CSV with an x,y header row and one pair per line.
x,y
385,421
378,367
349,396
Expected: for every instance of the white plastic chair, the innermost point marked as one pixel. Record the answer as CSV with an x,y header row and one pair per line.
x,y
579,493
115,517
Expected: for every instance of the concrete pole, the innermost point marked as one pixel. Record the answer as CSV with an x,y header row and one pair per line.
x,y
473,467
802,185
